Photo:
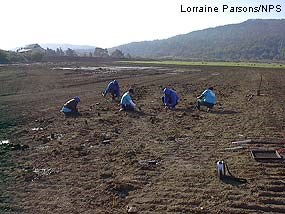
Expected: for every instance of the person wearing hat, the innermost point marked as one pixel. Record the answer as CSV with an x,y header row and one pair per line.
x,y
127,103
207,98
114,89
170,98
70,107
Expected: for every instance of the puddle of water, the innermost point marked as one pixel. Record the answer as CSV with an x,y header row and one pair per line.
x,y
175,71
43,147
183,139
149,162
4,142
54,136
95,69
108,69
45,172
37,129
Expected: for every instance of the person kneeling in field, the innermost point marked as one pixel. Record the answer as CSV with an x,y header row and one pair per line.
x,y
70,107
126,101
207,98
114,89
170,98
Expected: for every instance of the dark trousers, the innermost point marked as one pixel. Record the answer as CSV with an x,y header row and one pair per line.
x,y
72,113
169,103
114,95
162,98
202,103
128,107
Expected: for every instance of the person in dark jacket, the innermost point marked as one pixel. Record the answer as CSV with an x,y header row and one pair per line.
x,y
114,89
170,98
70,107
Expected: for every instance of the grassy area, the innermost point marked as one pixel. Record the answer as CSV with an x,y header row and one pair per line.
x,y
230,64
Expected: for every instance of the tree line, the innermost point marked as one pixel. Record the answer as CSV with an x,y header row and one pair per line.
x,y
35,53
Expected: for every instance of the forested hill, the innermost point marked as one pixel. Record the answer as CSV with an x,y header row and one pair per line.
x,y
258,39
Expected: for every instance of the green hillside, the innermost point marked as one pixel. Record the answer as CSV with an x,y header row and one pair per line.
x,y
251,40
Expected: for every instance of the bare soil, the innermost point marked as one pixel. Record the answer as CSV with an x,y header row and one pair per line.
x,y
155,161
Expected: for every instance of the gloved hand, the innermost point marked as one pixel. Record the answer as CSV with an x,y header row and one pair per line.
x,y
136,108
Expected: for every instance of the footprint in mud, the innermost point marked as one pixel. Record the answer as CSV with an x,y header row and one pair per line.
x,y
154,120
79,151
121,189
106,176
148,164
196,116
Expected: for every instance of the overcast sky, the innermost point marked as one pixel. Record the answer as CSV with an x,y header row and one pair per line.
x,y
108,23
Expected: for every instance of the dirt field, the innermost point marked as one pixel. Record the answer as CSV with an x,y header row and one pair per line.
x,y
155,161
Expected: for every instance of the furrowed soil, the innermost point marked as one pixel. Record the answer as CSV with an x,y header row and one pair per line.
x,y
154,161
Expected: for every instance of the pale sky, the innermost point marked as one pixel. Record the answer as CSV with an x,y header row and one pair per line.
x,y
108,23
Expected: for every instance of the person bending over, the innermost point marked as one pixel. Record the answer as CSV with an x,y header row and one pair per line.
x,y
207,98
127,103
70,107
114,89
170,98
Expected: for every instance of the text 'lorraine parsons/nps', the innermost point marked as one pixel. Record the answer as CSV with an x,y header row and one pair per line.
x,y
267,8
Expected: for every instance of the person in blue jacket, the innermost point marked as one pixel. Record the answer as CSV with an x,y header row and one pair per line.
x,y
127,103
114,89
207,98
70,107
170,98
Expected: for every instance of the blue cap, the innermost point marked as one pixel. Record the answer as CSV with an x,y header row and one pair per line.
x,y
77,99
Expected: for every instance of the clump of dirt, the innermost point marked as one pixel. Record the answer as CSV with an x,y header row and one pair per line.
x,y
121,188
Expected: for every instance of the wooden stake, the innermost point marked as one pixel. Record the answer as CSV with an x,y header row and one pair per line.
x,y
259,87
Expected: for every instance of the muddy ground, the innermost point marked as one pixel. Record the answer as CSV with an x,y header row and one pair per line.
x,y
156,161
